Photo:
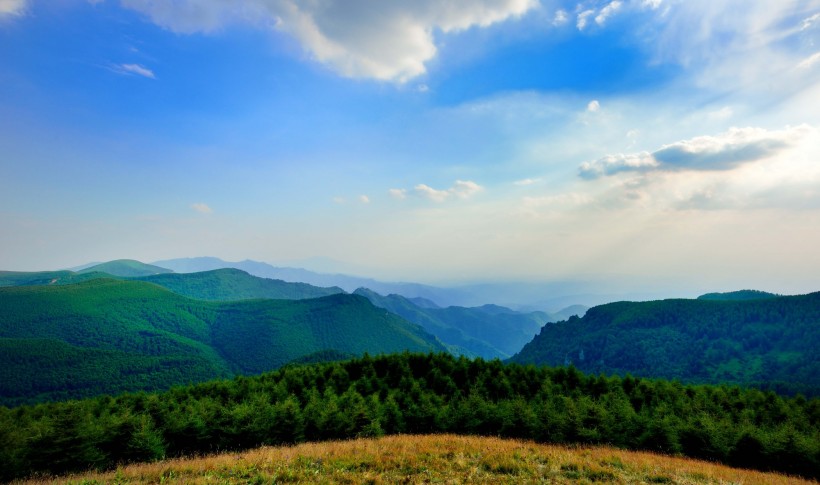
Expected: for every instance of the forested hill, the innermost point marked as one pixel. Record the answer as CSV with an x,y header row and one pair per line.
x,y
234,284
488,331
65,277
770,343
415,394
107,336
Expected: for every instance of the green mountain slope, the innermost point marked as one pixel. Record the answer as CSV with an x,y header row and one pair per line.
x,y
20,278
221,284
126,268
766,342
489,331
110,336
233,284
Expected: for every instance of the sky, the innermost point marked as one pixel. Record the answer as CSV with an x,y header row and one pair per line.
x,y
444,142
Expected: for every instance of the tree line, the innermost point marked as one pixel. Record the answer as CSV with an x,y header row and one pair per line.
x,y
416,393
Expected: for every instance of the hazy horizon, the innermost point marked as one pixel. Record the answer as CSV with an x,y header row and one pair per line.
x,y
652,143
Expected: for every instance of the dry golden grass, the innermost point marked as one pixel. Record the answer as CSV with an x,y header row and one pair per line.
x,y
446,459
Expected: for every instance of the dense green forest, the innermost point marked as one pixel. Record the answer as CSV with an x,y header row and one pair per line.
x,y
769,342
738,295
25,278
488,331
111,336
234,284
413,393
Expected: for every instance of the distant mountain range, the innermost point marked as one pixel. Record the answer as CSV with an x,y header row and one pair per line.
x,y
106,336
488,331
525,297
747,337
223,284
126,325
126,268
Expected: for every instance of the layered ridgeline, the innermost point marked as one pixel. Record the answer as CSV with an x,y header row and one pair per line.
x,y
122,268
417,394
109,336
488,331
769,341
233,284
222,284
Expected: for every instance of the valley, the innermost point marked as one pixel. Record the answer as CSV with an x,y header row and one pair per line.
x,y
141,364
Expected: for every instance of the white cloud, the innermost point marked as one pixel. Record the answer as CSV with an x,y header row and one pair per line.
x,y
736,44
607,12
561,17
525,182
462,189
582,19
135,69
809,22
339,200
400,194
612,164
593,106
721,152
653,4
725,151
364,199
202,208
809,61
12,7
430,193
387,40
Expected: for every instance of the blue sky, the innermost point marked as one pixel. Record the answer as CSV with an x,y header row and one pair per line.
x,y
637,140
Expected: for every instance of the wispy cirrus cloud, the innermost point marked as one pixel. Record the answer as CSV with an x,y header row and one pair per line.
x,y
461,189
606,12
134,69
705,153
809,61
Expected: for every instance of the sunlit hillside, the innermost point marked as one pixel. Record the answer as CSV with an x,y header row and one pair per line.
x,y
430,459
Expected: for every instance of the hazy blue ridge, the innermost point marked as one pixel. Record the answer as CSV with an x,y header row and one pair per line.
x,y
489,331
126,268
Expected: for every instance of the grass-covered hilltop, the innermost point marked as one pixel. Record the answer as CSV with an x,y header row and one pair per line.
x,y
412,393
439,458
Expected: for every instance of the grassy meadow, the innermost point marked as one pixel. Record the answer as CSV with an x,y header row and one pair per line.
x,y
429,459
